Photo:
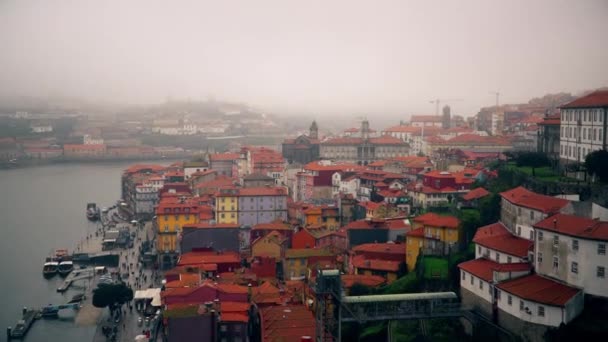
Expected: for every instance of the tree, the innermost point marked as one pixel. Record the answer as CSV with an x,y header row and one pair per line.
x,y
596,163
111,295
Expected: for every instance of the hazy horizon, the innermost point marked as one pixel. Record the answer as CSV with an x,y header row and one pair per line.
x,y
354,58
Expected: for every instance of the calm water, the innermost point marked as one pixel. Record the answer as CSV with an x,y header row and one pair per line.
x,y
41,209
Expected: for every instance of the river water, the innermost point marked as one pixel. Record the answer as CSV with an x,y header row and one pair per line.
x,y
42,209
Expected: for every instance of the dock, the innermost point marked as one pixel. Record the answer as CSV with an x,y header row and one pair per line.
x,y
23,325
85,273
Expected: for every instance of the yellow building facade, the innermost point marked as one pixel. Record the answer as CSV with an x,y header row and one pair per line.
x,y
270,245
226,209
170,219
434,235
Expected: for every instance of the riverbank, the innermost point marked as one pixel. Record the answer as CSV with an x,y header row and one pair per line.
x,y
29,163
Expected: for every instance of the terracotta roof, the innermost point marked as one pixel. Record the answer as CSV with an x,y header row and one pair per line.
x,y
497,237
369,205
596,99
484,268
418,232
196,258
403,129
206,225
360,261
286,323
575,226
521,196
551,120
223,156
392,248
348,280
386,140
476,193
140,167
234,317
232,288
539,289
435,220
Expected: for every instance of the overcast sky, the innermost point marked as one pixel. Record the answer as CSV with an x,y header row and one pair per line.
x,y
326,56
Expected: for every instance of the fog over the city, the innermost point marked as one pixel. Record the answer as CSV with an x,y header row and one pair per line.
x,y
338,56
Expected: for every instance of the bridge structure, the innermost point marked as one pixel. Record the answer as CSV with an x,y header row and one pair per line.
x,y
333,308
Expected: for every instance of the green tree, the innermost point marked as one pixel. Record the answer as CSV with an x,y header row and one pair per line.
x,y
489,209
596,163
111,295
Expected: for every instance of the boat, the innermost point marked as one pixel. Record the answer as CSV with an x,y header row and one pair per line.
x,y
50,268
65,267
24,324
50,311
92,212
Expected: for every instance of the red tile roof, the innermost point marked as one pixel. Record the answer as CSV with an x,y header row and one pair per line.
x,y
596,99
139,167
360,261
523,197
286,323
497,237
484,268
272,226
392,248
539,289
196,258
476,193
232,288
575,226
348,280
551,120
234,317
386,140
418,233
434,220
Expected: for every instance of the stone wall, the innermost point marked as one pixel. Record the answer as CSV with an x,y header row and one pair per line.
x,y
473,302
526,331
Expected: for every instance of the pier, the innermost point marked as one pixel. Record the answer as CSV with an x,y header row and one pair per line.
x,y
86,273
23,325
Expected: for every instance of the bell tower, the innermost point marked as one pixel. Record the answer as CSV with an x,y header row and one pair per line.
x,y
314,131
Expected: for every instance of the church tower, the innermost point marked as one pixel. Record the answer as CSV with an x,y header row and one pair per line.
x,y
314,131
365,129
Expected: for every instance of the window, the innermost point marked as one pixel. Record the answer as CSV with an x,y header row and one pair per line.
x,y
531,235
497,257
521,305
479,249
519,231
223,215
472,280
464,276
574,267
555,262
166,218
531,214
541,311
540,236
510,300
480,284
166,228
555,240
575,245
498,294
600,271
518,211
509,260
539,258
601,248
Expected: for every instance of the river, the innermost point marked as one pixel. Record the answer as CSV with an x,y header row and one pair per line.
x,y
43,208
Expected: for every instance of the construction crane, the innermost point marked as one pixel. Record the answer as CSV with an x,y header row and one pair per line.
x,y
438,101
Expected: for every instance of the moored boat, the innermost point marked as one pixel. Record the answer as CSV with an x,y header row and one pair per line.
x,y
92,212
50,268
65,267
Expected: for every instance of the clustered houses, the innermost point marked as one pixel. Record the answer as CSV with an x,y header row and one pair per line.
x,y
140,185
534,267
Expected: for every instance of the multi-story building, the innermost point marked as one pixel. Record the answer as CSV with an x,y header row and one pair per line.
x,y
303,149
172,213
522,208
583,127
225,163
364,149
434,235
251,206
426,121
549,136
572,249
140,184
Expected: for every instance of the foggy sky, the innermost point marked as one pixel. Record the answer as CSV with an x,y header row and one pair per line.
x,y
326,56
